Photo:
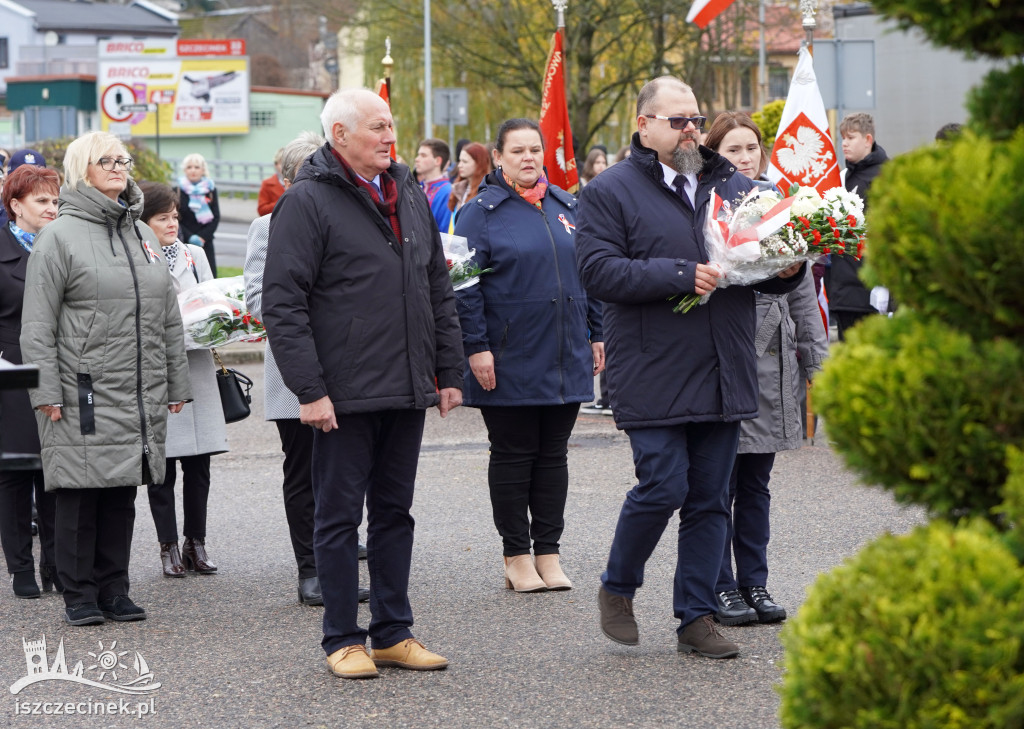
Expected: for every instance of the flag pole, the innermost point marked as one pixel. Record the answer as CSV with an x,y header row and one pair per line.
x,y
560,6
388,62
808,9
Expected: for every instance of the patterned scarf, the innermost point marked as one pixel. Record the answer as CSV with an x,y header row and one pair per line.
x,y
198,197
170,254
533,195
24,238
388,207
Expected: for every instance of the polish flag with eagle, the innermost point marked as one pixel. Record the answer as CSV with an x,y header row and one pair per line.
x,y
559,158
804,153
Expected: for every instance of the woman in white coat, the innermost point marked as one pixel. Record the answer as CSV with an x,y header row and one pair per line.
x,y
198,431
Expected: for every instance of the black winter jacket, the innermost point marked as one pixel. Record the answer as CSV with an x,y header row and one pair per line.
x,y
637,245
350,311
842,283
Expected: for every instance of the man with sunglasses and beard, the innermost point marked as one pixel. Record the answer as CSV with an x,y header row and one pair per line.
x,y
680,383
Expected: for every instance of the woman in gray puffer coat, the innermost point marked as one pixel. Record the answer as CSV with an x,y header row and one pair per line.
x,y
101,322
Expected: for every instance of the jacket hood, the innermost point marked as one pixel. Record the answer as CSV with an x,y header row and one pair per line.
x,y
86,202
323,166
875,157
647,159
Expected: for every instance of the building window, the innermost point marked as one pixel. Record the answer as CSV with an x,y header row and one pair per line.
x,y
778,83
262,118
3,53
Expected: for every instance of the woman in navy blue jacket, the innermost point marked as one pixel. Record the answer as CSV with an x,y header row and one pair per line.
x,y
533,343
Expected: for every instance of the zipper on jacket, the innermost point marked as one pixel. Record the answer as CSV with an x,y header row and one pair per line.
x,y
560,306
138,338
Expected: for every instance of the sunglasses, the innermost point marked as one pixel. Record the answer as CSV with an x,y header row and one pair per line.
x,y
681,122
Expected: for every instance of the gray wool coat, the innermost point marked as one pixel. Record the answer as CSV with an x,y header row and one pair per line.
x,y
101,321
786,324
199,428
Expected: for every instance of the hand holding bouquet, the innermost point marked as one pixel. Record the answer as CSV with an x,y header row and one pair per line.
x,y
462,269
214,314
766,234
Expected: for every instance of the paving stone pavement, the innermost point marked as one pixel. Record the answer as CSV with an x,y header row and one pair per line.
x,y
237,650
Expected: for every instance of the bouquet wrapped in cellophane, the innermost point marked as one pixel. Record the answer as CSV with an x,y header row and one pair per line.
x,y
462,269
765,233
214,314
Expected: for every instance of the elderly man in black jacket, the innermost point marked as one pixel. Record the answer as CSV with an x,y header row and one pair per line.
x,y
680,383
361,318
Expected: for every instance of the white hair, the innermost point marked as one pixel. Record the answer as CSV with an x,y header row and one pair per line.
x,y
297,151
194,158
85,150
343,107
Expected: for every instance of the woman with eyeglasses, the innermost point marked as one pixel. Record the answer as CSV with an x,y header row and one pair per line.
x,y
101,322
791,345
30,199
199,209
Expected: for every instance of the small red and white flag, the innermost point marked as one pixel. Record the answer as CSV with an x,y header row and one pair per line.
x,y
559,158
804,153
823,305
702,12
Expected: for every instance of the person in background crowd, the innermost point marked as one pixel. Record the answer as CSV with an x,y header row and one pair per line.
x,y
30,199
790,344
361,317
534,343
621,154
198,431
596,162
453,168
473,166
271,188
280,405
431,160
680,383
199,210
13,162
104,393
948,132
849,300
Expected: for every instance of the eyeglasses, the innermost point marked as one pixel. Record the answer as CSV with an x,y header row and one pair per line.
x,y
681,122
111,163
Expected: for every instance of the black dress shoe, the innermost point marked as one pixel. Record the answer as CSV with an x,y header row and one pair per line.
x,y
759,599
364,594
122,609
50,580
362,551
309,591
195,558
733,610
86,613
24,584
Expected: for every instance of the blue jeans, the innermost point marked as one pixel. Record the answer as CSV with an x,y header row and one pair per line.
x,y
371,456
682,467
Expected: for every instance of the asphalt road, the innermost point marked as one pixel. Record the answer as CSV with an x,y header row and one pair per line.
x,y
230,243
237,650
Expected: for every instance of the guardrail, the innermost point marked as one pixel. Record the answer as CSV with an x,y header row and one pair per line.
x,y
232,176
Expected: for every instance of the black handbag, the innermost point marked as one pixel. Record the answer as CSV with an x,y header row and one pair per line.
x,y
233,399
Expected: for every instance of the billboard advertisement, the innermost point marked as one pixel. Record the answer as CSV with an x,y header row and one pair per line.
x,y
173,88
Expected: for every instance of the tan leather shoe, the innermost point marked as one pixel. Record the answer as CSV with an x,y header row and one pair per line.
x,y
410,654
521,574
551,572
352,661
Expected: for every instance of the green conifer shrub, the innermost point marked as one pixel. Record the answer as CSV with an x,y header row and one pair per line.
x,y
919,631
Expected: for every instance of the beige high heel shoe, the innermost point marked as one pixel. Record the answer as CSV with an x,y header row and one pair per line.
x,y
551,572
521,575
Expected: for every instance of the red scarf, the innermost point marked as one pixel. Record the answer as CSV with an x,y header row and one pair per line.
x,y
533,195
388,207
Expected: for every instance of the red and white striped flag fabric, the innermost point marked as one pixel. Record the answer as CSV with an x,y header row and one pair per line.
x,y
804,153
384,93
702,12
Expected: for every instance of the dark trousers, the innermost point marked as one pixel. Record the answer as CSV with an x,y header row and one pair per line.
x,y
371,456
684,467
16,490
93,542
528,474
748,530
846,319
195,492
297,444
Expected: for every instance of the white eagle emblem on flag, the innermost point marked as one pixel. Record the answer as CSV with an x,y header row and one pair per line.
x,y
802,154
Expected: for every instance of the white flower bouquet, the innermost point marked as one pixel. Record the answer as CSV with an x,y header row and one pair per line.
x,y
214,314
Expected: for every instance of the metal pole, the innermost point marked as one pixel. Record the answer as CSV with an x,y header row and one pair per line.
x,y
428,89
157,129
762,62
808,9
450,98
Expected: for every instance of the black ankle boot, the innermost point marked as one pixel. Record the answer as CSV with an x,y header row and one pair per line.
x,y
48,576
24,584
194,557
